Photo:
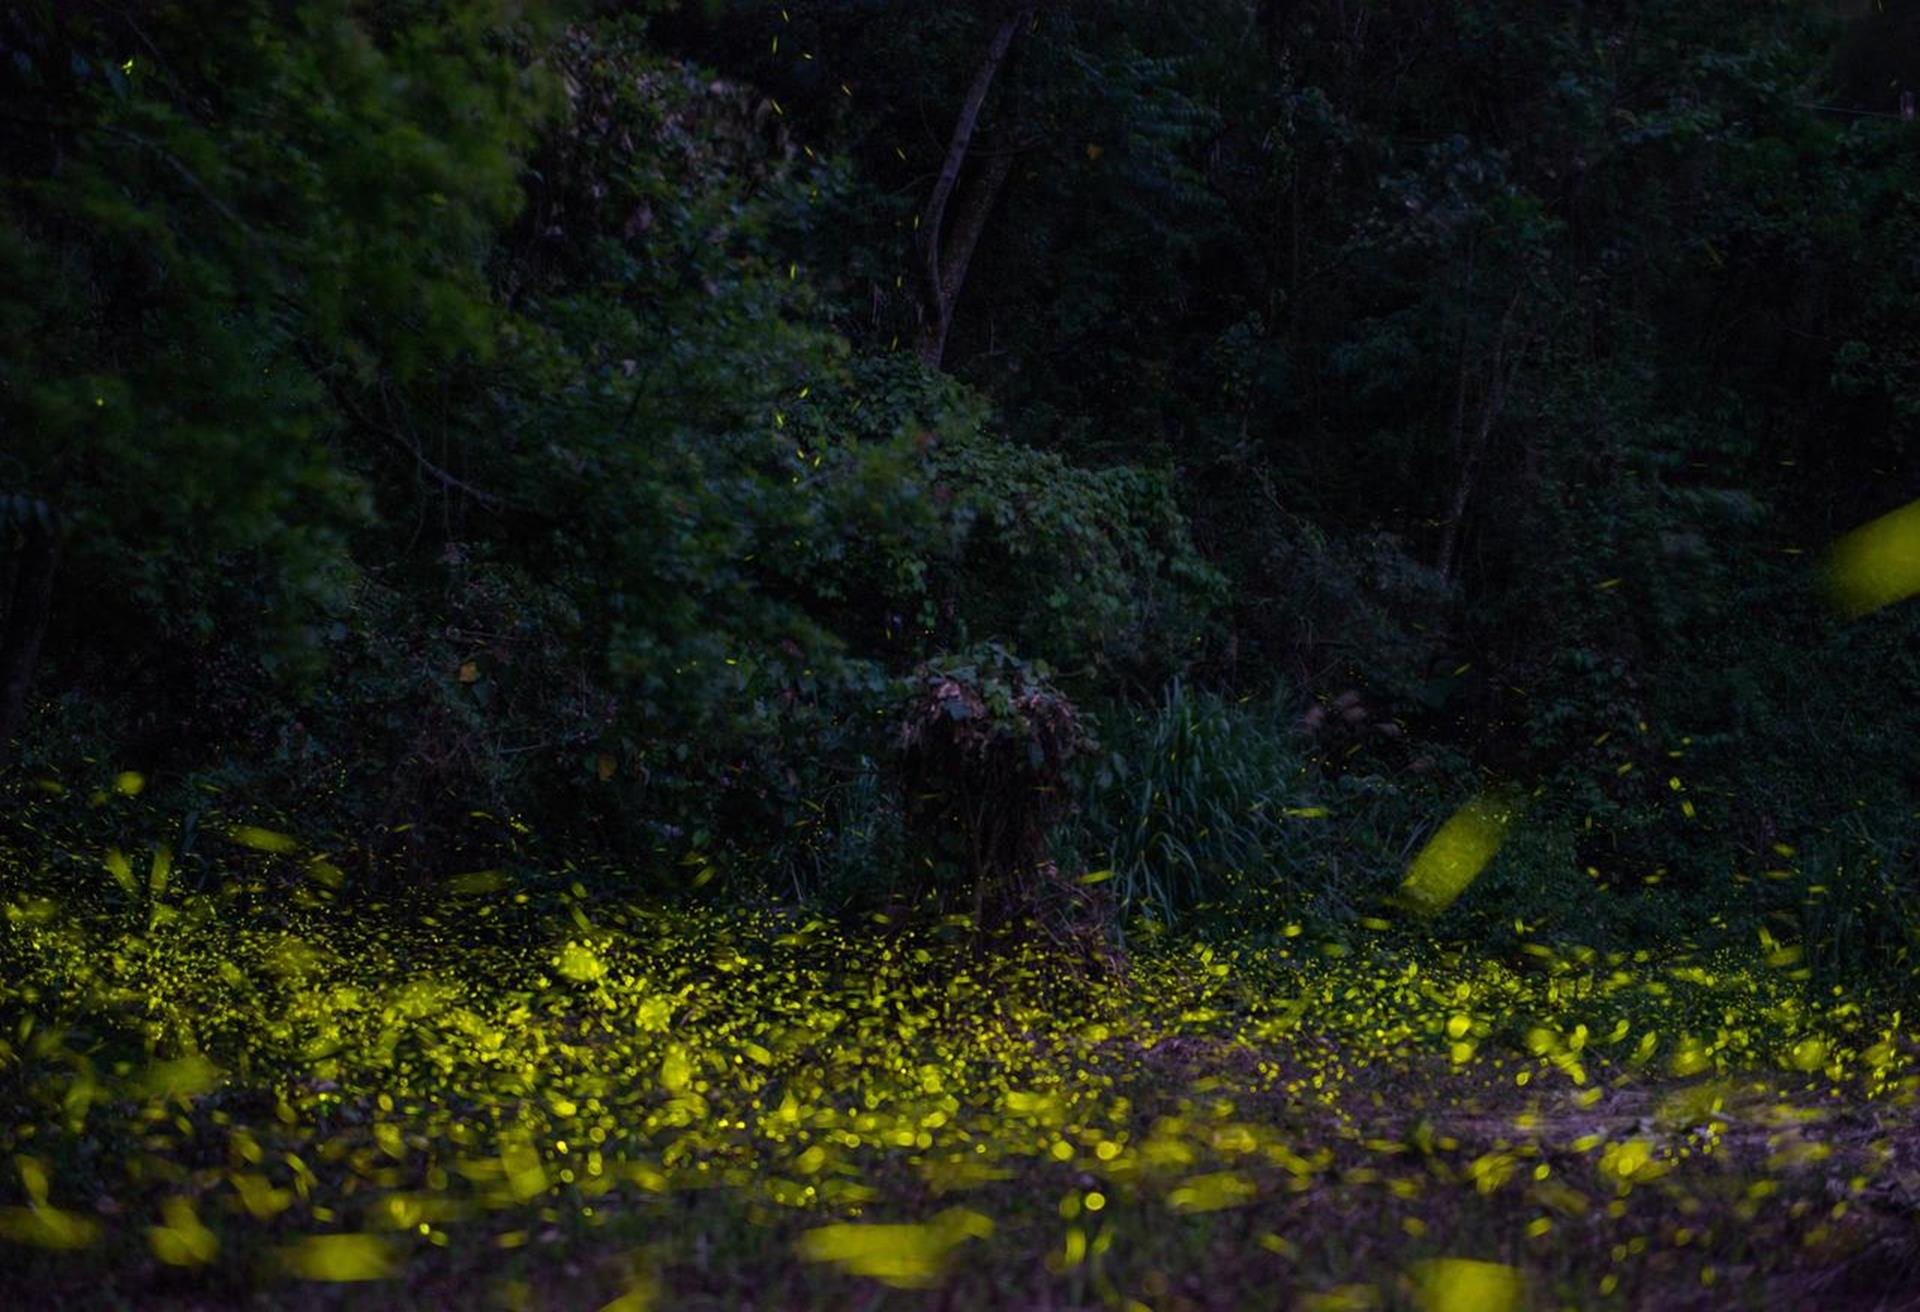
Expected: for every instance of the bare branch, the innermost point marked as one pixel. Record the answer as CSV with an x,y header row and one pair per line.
x,y
1504,368
939,302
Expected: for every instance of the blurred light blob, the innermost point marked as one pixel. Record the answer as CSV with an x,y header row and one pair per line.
x,y
1458,1284
262,840
905,1256
1454,857
1877,564
340,1258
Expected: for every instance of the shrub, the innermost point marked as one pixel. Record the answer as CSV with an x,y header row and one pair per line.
x,y
985,743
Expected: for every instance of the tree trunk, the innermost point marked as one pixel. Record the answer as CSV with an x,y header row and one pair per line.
x,y
1505,365
976,204
26,623
944,271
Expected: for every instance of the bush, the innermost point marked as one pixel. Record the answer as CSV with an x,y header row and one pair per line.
x,y
1093,566
985,744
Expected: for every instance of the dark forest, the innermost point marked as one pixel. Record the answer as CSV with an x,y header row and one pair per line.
x,y
1071,654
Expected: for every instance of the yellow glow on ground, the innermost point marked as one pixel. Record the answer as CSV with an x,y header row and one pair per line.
x,y
479,1097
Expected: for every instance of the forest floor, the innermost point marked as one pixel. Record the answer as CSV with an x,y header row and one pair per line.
x,y
270,1095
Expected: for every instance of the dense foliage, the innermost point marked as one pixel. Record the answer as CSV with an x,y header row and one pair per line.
x,y
448,419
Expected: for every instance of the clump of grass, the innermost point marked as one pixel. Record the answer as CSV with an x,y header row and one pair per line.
x,y
1209,804
1860,909
847,848
1192,795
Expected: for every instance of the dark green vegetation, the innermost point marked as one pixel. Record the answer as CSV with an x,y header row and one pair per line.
x,y
415,409
541,522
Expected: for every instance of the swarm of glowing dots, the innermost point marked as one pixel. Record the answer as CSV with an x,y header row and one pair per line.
x,y
1454,857
808,1074
1878,563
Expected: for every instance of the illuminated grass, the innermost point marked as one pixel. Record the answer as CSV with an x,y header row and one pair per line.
x,y
569,1104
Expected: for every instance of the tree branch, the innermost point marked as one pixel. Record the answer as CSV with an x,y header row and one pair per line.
x,y
25,624
1499,381
939,301
446,479
969,221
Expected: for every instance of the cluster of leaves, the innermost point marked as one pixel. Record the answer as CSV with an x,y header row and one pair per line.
x,y
214,238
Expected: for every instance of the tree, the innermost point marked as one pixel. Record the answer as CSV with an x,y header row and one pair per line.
x,y
947,254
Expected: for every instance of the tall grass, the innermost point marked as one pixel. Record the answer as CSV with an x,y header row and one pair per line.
x,y
1860,920
1209,810
848,847
1203,802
